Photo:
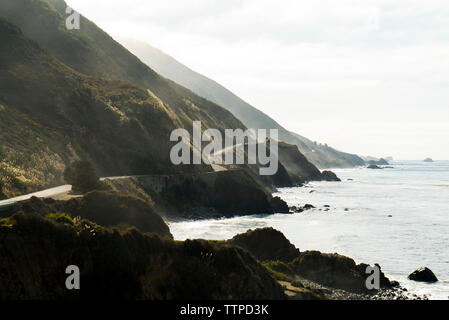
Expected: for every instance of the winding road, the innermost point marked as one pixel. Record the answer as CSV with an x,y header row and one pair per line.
x,y
58,193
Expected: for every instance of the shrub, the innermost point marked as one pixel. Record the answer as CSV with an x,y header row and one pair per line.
x,y
6,222
279,270
82,176
60,218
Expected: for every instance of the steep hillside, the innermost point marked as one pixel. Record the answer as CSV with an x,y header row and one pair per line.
x,y
122,265
80,114
93,52
320,155
51,114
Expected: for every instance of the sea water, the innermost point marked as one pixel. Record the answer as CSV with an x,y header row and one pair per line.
x,y
397,217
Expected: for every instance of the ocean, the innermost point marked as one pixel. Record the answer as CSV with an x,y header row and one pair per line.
x,y
397,217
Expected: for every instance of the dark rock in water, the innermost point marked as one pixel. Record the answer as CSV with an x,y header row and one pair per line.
x,y
279,205
381,162
308,207
428,160
329,176
424,275
302,209
295,209
266,244
373,166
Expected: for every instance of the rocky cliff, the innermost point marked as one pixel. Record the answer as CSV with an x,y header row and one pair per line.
x,y
34,254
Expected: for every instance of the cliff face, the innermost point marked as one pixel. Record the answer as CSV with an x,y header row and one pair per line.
x,y
58,103
299,169
104,208
52,115
34,253
208,195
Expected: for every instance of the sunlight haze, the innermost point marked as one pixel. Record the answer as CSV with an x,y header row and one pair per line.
x,y
366,77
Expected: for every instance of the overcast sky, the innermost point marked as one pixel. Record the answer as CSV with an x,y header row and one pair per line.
x,y
369,77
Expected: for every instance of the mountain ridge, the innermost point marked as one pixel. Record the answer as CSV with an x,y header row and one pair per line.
x,y
322,156
54,113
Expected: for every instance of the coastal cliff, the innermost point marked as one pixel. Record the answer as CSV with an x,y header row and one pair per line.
x,y
122,264
41,238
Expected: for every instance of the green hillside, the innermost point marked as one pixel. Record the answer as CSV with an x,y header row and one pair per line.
x,y
93,52
79,94
51,114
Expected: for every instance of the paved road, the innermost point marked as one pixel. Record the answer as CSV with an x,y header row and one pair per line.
x,y
50,193
41,194
62,192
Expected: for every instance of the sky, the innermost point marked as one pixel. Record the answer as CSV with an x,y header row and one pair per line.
x,y
368,77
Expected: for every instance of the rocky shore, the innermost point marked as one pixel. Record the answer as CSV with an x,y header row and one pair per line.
x,y
315,275
125,251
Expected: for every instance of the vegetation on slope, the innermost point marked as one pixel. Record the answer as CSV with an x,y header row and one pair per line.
x,y
52,115
105,208
93,52
123,264
320,155
80,114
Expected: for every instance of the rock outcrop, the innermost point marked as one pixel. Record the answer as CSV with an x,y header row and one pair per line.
x,y
329,176
287,263
424,275
266,244
198,196
299,168
381,162
108,209
306,207
35,251
335,271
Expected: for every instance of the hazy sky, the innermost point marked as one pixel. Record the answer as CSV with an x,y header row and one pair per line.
x,y
369,77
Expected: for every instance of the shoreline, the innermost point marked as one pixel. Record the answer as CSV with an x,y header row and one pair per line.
x,y
349,233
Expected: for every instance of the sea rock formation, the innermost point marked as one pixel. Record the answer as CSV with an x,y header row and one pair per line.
x,y
334,270
373,166
381,162
424,275
287,263
329,176
266,244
